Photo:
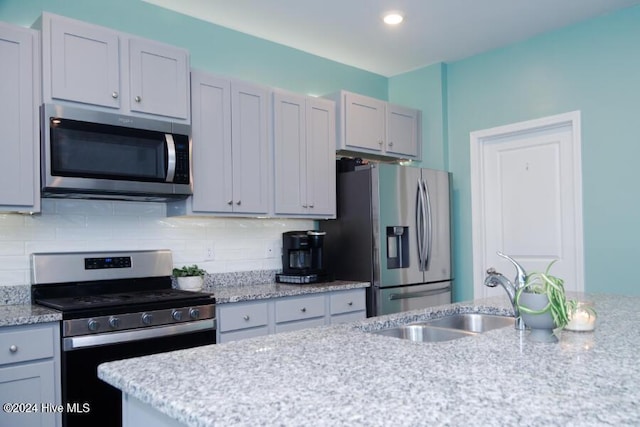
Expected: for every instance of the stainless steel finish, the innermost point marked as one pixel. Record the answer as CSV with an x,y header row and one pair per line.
x,y
404,298
449,327
147,318
64,267
13,348
114,322
171,157
138,98
494,279
473,322
127,321
75,187
423,333
376,202
74,343
114,95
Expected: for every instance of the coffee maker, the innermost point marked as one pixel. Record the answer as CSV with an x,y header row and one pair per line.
x,y
302,257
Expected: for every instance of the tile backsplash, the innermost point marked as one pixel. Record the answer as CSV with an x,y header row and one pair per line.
x,y
218,245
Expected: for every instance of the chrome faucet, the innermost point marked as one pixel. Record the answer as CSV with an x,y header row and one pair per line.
x,y
494,279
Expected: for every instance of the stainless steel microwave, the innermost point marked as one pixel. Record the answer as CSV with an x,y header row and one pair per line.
x,y
98,155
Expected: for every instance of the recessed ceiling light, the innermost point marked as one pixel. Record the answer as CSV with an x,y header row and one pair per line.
x,y
393,18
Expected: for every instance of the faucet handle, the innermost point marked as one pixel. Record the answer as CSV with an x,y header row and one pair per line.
x,y
491,271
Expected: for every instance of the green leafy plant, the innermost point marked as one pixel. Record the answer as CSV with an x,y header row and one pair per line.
x,y
189,270
553,288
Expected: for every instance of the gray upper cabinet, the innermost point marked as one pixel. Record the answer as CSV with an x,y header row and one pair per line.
x,y
369,127
304,156
19,136
231,148
159,79
403,130
106,69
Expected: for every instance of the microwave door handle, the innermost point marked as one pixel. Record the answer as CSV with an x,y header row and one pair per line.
x,y
171,157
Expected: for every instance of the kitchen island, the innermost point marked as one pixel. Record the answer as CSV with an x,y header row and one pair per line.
x,y
344,375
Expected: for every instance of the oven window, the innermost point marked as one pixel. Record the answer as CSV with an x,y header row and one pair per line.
x,y
88,150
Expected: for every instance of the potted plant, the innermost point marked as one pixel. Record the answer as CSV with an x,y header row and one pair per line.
x,y
543,304
190,278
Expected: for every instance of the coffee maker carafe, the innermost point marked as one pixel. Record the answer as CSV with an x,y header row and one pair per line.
x,y
302,257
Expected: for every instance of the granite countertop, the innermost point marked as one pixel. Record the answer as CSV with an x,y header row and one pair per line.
x,y
230,293
24,314
342,375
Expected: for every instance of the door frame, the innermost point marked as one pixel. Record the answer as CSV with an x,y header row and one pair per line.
x,y
477,139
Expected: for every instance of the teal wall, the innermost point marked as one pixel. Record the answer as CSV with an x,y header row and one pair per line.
x,y
593,67
213,48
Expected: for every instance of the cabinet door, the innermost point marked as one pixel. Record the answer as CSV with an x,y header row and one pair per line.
x,y
19,140
211,139
250,148
290,153
321,164
85,64
31,383
364,122
159,79
402,131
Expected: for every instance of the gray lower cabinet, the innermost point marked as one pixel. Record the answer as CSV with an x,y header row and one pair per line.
x,y
30,375
262,317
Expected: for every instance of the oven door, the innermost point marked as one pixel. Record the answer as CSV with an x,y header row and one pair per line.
x,y
86,151
97,403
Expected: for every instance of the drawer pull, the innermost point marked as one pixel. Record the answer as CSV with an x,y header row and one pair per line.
x,y
246,317
350,303
304,310
13,348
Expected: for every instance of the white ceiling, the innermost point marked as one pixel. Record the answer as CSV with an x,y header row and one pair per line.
x,y
352,32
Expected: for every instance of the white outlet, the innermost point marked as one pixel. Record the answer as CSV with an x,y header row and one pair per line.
x,y
208,253
273,250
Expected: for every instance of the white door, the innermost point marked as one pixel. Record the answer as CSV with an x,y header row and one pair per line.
x,y
527,200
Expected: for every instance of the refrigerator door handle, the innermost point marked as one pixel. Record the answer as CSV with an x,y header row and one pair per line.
x,y
420,224
419,294
429,228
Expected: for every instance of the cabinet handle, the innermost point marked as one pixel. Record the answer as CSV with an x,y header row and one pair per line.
x,y
230,202
138,98
239,202
350,303
304,206
380,142
246,317
114,94
311,206
13,348
391,144
303,309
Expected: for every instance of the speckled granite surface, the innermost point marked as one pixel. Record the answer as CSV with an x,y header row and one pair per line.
x,y
23,314
16,294
230,293
342,375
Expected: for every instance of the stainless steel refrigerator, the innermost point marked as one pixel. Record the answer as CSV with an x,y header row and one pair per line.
x,y
393,230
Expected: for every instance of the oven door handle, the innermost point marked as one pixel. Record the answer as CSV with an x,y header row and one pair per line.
x,y
84,341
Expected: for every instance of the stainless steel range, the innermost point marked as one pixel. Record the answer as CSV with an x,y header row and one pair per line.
x,y
115,305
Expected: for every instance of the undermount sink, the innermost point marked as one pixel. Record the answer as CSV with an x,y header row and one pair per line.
x,y
448,328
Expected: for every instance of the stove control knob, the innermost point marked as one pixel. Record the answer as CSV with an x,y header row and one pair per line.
x,y
114,322
194,313
93,325
147,318
177,315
